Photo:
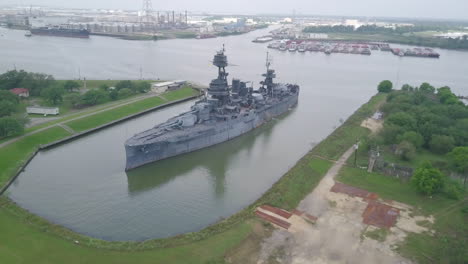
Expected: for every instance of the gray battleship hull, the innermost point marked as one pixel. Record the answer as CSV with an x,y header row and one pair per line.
x,y
205,135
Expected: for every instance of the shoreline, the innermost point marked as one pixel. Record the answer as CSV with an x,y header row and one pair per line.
x,y
331,147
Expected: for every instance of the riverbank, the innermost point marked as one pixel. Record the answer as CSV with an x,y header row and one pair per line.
x,y
225,234
172,34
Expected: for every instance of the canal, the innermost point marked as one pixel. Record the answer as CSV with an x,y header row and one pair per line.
x,y
82,185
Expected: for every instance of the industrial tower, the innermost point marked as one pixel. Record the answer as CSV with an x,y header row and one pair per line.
x,y
147,16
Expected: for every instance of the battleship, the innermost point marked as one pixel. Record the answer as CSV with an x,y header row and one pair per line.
x,y
223,113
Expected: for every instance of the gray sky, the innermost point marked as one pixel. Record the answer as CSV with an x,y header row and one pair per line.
x,y
452,9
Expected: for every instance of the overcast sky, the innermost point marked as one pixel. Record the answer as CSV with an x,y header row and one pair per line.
x,y
451,9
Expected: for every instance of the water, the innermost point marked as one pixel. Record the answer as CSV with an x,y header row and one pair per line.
x,y
82,185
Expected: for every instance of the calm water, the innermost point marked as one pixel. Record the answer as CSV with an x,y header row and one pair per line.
x,y
83,186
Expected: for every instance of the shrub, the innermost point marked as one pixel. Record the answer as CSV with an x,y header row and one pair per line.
x,y
125,92
427,179
412,137
406,150
453,190
441,144
10,126
385,86
94,97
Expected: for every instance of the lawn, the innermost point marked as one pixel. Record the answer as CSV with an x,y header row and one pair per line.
x,y
23,243
126,110
450,241
13,155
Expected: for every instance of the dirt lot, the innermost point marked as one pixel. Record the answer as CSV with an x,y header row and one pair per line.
x,y
372,124
339,235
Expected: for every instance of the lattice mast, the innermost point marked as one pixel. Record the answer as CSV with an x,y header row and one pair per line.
x,y
147,11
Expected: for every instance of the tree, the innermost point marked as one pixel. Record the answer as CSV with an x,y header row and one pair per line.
x,y
124,84
114,94
143,87
391,132
427,179
402,119
71,85
426,88
104,87
459,161
441,144
407,88
74,99
406,151
385,86
10,126
413,137
9,96
53,94
6,108
125,92
95,96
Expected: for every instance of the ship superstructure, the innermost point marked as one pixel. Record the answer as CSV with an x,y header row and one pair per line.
x,y
225,112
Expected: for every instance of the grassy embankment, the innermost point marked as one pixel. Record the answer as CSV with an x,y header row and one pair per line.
x,y
126,110
31,235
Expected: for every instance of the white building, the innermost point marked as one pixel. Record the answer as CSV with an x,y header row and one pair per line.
x,y
42,110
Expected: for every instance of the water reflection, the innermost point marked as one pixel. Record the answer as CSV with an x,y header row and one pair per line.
x,y
157,174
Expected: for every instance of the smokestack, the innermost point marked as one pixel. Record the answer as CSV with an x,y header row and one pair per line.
x,y
186,20
173,17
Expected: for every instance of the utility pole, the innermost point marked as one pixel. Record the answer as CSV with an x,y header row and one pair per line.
x,y
356,146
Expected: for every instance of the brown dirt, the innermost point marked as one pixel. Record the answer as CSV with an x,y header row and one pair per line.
x,y
372,124
338,234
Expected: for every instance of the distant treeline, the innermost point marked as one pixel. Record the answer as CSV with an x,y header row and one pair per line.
x,y
402,35
373,29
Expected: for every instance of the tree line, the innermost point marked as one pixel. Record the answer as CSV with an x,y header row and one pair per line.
x,y
431,119
54,93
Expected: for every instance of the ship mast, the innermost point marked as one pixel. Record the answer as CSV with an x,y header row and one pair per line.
x,y
219,88
267,84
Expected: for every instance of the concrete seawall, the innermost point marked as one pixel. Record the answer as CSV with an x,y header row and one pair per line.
x,y
18,172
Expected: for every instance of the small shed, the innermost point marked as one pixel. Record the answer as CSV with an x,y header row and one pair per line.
x,y
42,110
21,92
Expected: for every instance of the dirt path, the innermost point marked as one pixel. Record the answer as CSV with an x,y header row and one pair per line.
x,y
6,143
338,236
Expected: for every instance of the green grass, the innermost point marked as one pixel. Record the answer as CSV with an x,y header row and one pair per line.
x,y
80,113
24,243
347,134
296,183
114,114
449,243
123,111
13,155
379,234
440,161
185,91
